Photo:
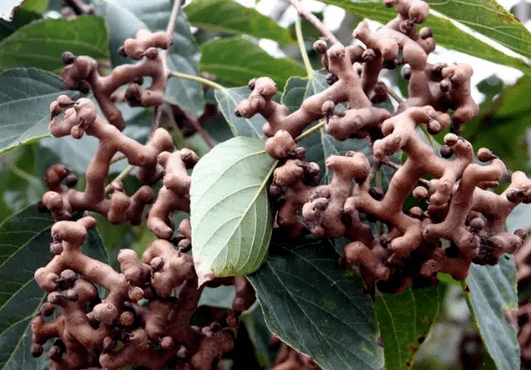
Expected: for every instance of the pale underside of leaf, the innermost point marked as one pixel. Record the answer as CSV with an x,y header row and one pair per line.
x,y
230,215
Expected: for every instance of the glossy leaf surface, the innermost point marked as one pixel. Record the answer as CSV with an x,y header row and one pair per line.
x,y
230,215
317,308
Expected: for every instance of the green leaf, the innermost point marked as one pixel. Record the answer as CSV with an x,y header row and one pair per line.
x,y
405,320
490,19
444,31
240,126
125,17
220,297
25,246
41,43
317,308
491,295
238,60
230,215
25,97
228,16
502,124
22,177
20,18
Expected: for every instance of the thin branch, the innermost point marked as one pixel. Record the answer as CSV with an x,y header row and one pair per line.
x,y
174,15
302,47
315,21
157,114
177,4
121,176
310,131
199,79
118,158
395,96
199,129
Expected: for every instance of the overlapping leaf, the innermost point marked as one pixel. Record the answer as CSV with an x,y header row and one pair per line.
x,y
490,19
41,43
240,126
25,97
444,31
492,297
238,60
25,246
228,16
230,215
405,320
316,307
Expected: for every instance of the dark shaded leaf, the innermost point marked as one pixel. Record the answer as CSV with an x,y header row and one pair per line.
x,y
228,16
20,18
405,320
25,97
240,126
316,308
492,297
41,43
22,177
238,60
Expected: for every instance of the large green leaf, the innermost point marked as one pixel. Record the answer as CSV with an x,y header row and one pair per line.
x,y
492,297
444,32
405,320
238,60
24,247
228,16
41,43
490,19
125,17
230,215
317,308
25,97
240,126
